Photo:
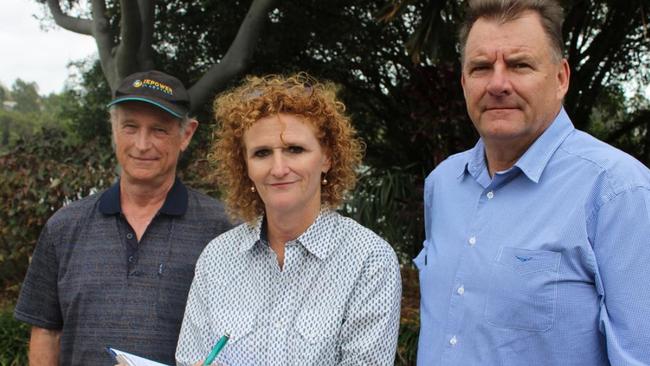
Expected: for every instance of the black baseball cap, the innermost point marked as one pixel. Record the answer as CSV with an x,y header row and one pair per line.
x,y
155,87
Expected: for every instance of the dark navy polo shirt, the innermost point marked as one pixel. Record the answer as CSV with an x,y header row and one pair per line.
x,y
91,279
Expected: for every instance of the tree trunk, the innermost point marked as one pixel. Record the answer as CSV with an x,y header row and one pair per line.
x,y
132,50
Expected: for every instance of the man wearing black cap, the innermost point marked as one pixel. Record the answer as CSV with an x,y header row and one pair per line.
x,y
114,268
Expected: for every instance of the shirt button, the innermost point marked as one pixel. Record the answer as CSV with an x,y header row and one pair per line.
x,y
490,195
461,290
472,240
129,236
278,325
131,259
453,341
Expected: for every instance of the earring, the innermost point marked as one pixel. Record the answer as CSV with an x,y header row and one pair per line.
x,y
324,181
253,190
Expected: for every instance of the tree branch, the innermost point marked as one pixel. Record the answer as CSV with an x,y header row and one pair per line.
x,y
104,40
605,50
126,55
238,56
575,25
77,25
145,54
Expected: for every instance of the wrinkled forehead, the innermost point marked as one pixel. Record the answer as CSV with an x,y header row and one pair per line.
x,y
282,126
521,35
491,54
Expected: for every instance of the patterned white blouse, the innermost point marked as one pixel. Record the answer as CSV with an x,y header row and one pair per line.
x,y
335,302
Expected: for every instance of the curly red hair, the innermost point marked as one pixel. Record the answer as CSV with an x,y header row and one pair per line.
x,y
301,95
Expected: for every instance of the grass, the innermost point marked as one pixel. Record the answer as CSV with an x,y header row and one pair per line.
x,y
14,336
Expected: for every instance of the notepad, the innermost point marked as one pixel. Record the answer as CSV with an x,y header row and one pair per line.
x,y
133,360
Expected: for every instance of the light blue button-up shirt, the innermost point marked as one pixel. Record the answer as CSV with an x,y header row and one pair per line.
x,y
547,263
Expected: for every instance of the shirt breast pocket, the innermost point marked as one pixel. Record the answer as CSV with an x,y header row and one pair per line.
x,y
316,334
523,289
241,328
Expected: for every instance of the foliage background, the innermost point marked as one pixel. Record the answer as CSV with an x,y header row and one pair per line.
x,y
396,64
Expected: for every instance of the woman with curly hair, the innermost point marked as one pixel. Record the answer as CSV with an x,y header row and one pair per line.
x,y
296,283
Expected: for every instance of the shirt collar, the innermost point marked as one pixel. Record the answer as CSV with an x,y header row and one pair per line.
x,y
534,160
316,239
109,202
175,203
475,163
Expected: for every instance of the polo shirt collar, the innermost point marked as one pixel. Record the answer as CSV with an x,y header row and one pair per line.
x,y
175,203
533,162
316,239
109,202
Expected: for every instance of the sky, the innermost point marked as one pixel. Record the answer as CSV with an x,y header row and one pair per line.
x,y
32,54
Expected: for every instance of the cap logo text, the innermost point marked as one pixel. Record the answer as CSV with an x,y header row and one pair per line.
x,y
153,84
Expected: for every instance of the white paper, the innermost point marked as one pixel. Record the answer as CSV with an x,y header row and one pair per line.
x,y
133,360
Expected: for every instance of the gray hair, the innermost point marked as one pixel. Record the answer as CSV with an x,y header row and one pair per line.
x,y
550,12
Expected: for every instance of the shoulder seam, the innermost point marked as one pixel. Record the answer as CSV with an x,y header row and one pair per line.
x,y
612,196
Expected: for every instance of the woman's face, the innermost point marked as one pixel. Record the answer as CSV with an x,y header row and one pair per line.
x,y
285,161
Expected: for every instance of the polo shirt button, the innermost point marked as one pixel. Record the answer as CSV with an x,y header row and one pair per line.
x,y
129,236
131,259
278,325
472,240
453,341
490,195
461,290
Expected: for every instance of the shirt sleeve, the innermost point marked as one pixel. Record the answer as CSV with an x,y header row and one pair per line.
x,y
428,205
38,302
369,332
192,344
622,249
421,259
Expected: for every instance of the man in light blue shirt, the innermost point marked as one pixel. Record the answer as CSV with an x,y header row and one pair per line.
x,y
537,247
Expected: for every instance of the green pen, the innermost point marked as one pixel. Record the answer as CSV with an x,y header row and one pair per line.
x,y
216,349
